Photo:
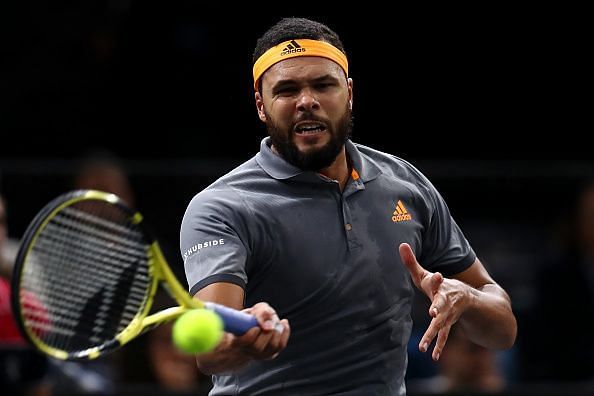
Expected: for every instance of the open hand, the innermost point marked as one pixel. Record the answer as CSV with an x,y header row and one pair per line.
x,y
449,299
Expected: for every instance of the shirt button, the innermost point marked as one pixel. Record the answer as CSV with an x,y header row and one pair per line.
x,y
348,226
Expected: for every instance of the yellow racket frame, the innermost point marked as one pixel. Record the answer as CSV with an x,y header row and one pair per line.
x,y
159,272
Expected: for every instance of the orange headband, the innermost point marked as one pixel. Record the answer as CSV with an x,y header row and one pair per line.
x,y
298,47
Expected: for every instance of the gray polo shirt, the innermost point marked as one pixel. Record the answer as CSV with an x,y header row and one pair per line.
x,y
326,260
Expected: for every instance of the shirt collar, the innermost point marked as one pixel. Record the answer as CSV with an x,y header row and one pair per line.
x,y
274,164
280,169
365,167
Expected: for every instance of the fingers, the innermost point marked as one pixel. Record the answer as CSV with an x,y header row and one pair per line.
x,y
438,303
442,337
410,261
435,281
268,340
430,333
439,329
265,314
430,284
279,340
424,280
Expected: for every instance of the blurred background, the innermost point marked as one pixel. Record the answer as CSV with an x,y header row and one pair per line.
x,y
154,101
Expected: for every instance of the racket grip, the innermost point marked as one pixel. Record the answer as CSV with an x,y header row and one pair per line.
x,y
234,321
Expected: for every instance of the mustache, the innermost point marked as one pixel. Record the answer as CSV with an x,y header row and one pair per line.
x,y
309,116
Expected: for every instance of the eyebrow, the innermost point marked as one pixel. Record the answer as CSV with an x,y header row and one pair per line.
x,y
288,82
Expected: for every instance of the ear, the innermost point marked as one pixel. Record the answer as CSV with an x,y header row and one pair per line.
x,y
260,106
350,88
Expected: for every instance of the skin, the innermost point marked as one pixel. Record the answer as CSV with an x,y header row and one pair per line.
x,y
303,88
234,352
297,87
471,297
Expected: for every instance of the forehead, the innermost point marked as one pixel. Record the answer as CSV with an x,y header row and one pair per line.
x,y
302,68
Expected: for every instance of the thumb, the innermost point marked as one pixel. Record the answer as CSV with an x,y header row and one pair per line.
x,y
410,262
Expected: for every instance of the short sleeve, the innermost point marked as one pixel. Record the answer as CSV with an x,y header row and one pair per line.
x,y
212,241
444,246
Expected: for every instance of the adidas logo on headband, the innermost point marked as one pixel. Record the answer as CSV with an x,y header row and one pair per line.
x,y
292,48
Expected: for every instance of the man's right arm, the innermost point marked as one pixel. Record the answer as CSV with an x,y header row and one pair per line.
x,y
234,352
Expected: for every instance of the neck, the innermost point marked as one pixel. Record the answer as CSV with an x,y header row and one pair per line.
x,y
339,170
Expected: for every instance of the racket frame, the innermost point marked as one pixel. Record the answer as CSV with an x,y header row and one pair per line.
x,y
159,273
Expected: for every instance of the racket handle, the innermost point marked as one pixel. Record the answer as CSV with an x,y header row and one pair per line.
x,y
234,321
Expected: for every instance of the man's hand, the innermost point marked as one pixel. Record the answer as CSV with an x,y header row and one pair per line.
x,y
449,299
263,342
268,340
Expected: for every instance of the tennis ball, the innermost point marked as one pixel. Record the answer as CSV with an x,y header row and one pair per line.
x,y
197,331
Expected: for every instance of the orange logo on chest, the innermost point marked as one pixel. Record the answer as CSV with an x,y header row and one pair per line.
x,y
400,214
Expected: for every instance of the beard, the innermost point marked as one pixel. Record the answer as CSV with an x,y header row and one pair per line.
x,y
316,159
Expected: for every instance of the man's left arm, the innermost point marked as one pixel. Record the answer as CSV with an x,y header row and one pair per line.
x,y
472,297
488,319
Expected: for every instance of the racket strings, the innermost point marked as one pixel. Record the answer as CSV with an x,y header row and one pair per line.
x,y
89,269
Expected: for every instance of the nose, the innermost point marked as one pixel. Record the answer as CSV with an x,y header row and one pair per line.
x,y
307,101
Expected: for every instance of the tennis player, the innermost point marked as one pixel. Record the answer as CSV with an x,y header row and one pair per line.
x,y
328,232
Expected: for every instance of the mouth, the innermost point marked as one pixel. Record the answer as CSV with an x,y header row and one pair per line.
x,y
309,128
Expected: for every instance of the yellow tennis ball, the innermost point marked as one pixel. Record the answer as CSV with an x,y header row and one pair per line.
x,y
197,331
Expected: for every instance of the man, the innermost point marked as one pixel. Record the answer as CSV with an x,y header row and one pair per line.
x,y
310,226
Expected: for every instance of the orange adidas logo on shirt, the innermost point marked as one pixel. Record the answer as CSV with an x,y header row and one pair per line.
x,y
400,214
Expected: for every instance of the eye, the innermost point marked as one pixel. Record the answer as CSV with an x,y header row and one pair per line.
x,y
323,85
286,91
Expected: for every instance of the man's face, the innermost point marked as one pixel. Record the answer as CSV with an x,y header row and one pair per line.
x,y
306,105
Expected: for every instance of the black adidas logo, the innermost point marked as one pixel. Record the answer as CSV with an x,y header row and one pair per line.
x,y
292,47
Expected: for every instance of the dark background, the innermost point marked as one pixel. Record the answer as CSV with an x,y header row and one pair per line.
x,y
470,83
492,104
479,96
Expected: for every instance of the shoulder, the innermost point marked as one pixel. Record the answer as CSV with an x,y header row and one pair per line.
x,y
228,193
394,166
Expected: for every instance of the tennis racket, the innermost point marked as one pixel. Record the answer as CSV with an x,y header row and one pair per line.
x,y
86,274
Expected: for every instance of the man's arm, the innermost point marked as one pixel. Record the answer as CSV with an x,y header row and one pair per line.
x,y
472,297
234,352
488,319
